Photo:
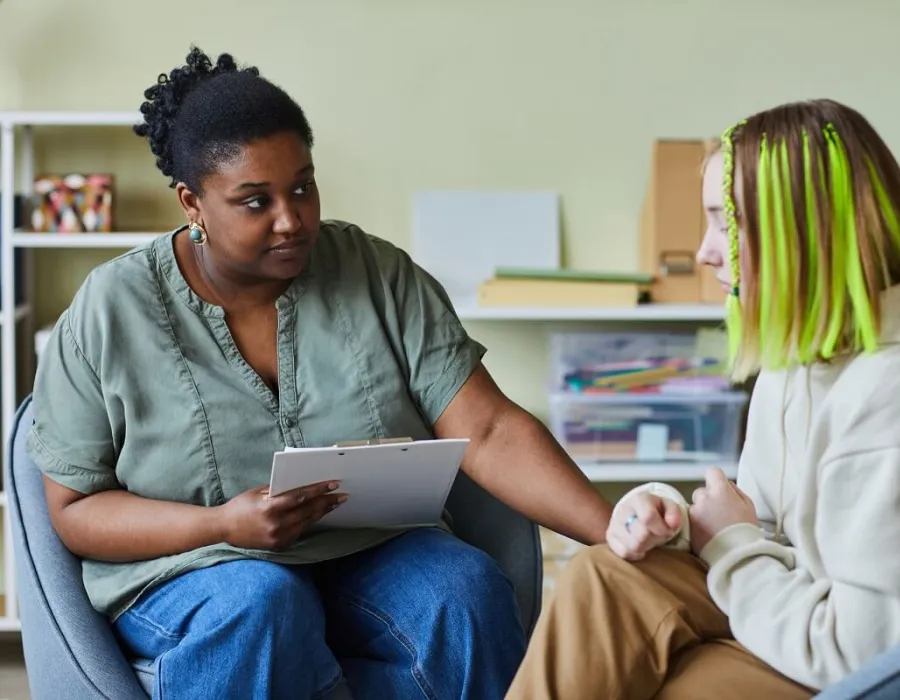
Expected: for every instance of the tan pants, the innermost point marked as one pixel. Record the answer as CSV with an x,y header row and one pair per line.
x,y
617,630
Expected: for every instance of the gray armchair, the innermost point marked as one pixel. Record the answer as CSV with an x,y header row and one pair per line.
x,y
70,650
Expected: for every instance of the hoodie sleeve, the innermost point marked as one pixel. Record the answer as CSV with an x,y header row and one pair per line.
x,y
747,482
816,629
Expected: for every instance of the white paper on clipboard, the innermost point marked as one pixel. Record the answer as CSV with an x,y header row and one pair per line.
x,y
393,485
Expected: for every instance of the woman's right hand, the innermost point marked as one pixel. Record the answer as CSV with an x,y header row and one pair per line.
x,y
641,523
254,520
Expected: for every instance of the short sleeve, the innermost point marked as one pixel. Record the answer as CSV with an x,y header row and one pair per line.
x,y
440,354
71,439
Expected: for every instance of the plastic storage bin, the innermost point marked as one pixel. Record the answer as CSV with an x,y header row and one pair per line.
x,y
638,361
625,427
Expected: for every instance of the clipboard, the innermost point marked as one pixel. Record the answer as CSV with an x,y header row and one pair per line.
x,y
389,484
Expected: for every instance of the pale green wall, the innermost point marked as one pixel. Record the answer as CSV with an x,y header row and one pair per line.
x,y
407,94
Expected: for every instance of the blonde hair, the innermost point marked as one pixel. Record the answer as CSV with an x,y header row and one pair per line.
x,y
821,196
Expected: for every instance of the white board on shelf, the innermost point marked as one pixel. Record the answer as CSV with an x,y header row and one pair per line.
x,y
461,237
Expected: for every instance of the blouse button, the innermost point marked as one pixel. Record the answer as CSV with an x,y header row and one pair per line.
x,y
290,422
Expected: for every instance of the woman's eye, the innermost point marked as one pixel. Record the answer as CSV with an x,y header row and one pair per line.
x,y
255,203
304,188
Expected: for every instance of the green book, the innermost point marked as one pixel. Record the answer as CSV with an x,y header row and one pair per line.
x,y
572,275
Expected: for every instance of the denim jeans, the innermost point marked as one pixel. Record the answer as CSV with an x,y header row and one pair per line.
x,y
421,616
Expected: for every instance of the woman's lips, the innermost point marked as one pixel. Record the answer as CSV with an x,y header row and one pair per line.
x,y
288,248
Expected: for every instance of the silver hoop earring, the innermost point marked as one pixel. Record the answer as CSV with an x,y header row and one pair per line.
x,y
197,234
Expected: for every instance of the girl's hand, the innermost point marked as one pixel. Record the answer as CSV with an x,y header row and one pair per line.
x,y
718,505
642,522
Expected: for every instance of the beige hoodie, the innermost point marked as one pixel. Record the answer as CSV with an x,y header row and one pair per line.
x,y
815,591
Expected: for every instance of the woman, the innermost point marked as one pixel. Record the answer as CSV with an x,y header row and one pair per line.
x,y
179,369
790,583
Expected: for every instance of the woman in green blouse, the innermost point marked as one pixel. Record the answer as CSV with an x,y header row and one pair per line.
x,y
180,367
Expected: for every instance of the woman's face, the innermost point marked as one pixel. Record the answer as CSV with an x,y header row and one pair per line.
x,y
714,249
260,209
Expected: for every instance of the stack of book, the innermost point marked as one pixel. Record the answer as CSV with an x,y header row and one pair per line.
x,y
561,288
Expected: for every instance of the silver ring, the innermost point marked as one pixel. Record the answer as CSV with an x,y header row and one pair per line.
x,y
629,521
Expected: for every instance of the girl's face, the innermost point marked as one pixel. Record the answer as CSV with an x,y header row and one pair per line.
x,y
714,249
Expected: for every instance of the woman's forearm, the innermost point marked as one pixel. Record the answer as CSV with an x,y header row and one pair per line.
x,y
520,462
118,526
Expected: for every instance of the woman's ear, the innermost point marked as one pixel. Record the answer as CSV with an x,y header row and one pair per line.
x,y
189,201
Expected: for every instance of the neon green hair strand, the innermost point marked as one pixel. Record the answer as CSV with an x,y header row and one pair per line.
x,y
809,334
776,229
885,206
733,303
768,292
788,256
848,278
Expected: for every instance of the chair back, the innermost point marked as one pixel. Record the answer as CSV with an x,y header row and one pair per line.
x,y
512,539
70,649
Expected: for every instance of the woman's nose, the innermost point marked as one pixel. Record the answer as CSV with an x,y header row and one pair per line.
x,y
287,220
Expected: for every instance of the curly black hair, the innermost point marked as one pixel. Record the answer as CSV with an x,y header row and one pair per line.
x,y
201,114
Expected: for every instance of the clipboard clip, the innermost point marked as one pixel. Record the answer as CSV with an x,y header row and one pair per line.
x,y
369,443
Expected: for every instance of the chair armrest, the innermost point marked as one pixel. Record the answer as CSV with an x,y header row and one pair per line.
x,y
877,680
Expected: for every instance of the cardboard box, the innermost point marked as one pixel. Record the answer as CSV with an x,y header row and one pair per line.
x,y
673,223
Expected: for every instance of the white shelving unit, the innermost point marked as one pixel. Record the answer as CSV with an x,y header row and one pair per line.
x,y
17,141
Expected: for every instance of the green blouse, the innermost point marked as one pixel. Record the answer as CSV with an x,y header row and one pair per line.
x,y
141,387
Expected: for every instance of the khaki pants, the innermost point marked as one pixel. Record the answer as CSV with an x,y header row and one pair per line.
x,y
617,630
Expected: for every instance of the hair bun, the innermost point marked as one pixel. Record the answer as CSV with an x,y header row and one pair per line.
x,y
203,112
164,99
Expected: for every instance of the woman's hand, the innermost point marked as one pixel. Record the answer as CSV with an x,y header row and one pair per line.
x,y
254,520
642,522
718,505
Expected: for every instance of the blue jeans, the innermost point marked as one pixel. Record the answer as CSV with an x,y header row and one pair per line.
x,y
421,616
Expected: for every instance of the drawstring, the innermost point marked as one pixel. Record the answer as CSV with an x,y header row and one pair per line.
x,y
779,519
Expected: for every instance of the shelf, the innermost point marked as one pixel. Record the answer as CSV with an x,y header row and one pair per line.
x,y
10,625
81,240
21,312
71,118
643,312
640,472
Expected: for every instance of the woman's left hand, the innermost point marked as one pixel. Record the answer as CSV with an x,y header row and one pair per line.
x,y
716,506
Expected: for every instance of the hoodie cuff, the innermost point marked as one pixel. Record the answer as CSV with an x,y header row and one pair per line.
x,y
681,539
730,538
654,488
